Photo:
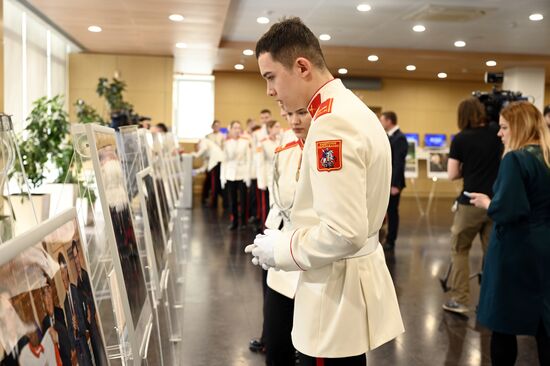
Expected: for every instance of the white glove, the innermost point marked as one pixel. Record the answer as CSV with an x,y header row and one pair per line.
x,y
247,183
223,181
263,248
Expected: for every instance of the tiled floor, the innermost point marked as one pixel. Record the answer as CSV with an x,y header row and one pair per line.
x,y
222,298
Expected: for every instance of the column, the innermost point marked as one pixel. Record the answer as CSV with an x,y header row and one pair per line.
x,y
528,80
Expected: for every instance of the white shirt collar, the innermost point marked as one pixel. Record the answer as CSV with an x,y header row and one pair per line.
x,y
392,131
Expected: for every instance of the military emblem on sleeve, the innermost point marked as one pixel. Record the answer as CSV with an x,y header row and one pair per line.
x,y
329,155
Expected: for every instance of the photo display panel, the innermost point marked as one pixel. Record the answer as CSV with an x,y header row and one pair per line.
x,y
47,306
112,179
155,220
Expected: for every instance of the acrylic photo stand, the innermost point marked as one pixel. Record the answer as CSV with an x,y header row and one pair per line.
x,y
119,229
47,299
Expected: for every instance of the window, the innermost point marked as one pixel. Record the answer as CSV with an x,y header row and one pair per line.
x,y
193,105
35,61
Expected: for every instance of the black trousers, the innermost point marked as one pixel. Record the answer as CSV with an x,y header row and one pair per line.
x,y
238,204
278,314
393,219
263,207
252,203
504,348
360,360
212,187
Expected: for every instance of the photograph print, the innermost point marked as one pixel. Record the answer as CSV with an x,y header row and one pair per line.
x,y
411,162
437,165
112,179
47,306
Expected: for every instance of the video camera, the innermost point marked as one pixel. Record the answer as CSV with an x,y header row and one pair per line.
x,y
496,100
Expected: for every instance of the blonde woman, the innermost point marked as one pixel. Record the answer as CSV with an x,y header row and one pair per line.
x,y
515,290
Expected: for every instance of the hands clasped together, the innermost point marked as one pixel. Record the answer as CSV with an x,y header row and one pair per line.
x,y
263,249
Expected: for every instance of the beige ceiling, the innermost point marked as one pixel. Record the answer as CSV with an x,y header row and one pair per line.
x,y
216,32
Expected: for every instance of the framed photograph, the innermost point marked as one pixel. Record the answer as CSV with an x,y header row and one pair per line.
x,y
119,230
161,172
155,237
411,161
47,304
437,164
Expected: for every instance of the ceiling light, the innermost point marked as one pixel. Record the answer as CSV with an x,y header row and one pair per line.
x,y
181,45
491,63
343,71
410,67
419,28
262,20
372,58
248,52
364,7
239,67
536,17
325,37
176,17
460,44
442,75
94,28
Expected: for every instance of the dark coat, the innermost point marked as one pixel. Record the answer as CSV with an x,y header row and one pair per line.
x,y
399,148
515,289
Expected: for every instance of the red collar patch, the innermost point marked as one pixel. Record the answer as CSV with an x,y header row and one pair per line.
x,y
329,155
314,105
324,108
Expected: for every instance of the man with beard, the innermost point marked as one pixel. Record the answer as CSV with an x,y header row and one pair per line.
x,y
84,286
54,323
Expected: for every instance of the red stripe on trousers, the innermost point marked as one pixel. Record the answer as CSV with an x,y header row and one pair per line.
x,y
319,362
213,186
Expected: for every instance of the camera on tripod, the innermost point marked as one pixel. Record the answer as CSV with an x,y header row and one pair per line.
x,y
496,100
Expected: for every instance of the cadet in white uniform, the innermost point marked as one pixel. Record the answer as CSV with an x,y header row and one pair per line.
x,y
279,297
212,155
266,151
345,304
235,173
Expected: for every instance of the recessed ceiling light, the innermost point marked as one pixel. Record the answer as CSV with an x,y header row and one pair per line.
x,y
325,37
176,17
491,63
372,58
262,20
181,45
410,67
460,44
239,67
364,7
248,52
343,71
536,17
442,75
419,28
94,28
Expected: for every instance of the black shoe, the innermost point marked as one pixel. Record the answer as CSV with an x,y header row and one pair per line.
x,y
232,227
256,345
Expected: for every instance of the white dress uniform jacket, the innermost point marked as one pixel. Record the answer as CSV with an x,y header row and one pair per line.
x,y
217,137
282,189
345,304
266,151
255,166
210,152
236,163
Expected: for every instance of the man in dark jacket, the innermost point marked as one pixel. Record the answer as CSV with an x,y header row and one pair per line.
x,y
55,319
399,147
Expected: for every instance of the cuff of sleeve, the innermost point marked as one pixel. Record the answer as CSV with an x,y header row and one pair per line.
x,y
284,257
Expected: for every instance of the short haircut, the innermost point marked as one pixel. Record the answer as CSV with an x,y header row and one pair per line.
x,y
271,123
162,127
390,116
61,260
289,39
256,128
232,123
471,114
265,111
546,110
215,121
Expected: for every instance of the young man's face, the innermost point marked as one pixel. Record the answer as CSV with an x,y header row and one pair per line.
x,y
265,117
285,85
235,130
300,121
